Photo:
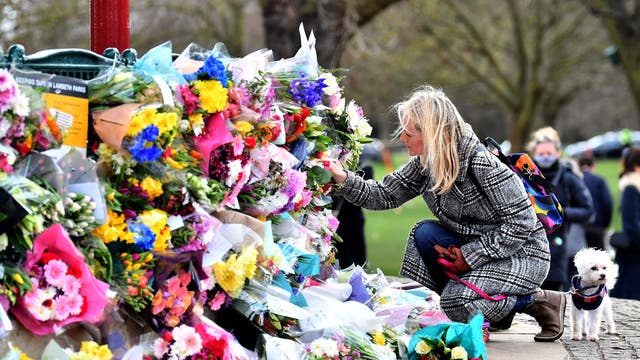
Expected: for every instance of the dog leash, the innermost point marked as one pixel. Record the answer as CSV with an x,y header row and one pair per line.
x,y
445,264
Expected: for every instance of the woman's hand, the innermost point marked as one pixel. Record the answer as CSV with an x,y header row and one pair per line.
x,y
339,175
454,255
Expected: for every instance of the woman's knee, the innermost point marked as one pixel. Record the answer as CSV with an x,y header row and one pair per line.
x,y
454,306
429,233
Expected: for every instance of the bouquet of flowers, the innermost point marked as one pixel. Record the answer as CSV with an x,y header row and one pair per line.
x,y
204,340
449,341
64,289
280,192
120,85
348,343
173,299
133,275
25,125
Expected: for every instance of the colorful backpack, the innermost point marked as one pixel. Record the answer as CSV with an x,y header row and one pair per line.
x,y
540,190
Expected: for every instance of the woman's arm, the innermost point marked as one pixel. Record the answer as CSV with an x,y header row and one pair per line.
x,y
394,190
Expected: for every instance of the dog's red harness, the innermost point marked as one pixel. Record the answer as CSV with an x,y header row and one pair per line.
x,y
583,301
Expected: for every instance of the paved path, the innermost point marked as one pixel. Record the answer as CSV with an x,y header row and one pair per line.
x,y
517,342
624,345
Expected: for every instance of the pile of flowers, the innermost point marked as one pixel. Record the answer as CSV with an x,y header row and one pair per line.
x,y
210,190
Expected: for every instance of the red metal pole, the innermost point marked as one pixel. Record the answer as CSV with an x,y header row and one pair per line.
x,y
109,25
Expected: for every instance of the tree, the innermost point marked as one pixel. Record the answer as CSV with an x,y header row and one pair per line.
x,y
333,21
621,19
203,22
37,25
523,53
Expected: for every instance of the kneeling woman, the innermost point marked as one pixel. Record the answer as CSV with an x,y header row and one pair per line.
x,y
486,227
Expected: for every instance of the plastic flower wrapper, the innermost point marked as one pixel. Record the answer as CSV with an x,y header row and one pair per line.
x,y
208,193
25,124
280,192
86,198
451,340
133,275
15,353
157,64
321,225
37,207
121,85
44,167
217,132
204,340
232,254
88,350
253,95
268,307
278,348
305,60
64,288
347,343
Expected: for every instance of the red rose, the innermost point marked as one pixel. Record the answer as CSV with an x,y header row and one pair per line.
x,y
47,256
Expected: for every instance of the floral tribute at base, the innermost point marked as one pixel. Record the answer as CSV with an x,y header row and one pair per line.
x,y
204,191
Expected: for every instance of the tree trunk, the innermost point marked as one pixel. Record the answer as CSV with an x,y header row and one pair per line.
x,y
624,31
333,22
627,43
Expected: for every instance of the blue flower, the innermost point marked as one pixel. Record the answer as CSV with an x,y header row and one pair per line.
x,y
144,146
144,237
307,92
212,69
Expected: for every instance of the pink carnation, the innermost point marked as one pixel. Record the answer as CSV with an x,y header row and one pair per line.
x,y
55,272
8,90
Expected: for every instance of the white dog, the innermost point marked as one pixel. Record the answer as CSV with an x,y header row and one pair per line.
x,y
597,275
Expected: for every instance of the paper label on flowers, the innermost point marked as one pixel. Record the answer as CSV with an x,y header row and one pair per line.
x,y
67,101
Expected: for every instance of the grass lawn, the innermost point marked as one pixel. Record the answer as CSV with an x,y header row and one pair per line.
x,y
387,231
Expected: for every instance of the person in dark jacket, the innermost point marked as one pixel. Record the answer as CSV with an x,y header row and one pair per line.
x,y
596,230
629,185
352,250
572,194
486,232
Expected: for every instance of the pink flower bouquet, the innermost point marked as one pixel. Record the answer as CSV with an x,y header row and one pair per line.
x,y
64,289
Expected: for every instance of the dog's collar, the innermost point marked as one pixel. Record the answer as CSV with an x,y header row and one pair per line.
x,y
583,301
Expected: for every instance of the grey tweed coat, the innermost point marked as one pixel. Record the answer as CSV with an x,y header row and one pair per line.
x,y
505,244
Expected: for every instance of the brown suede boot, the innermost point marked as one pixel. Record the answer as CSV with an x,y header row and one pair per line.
x,y
548,310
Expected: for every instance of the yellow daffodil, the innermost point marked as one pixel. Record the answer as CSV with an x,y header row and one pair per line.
x,y
91,350
226,275
243,127
378,338
213,96
152,186
247,262
196,120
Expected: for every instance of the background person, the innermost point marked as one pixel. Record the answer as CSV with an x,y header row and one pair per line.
x,y
353,248
629,184
596,230
488,231
572,194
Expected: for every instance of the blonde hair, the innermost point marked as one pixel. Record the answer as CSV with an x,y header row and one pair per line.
x,y
542,136
433,114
